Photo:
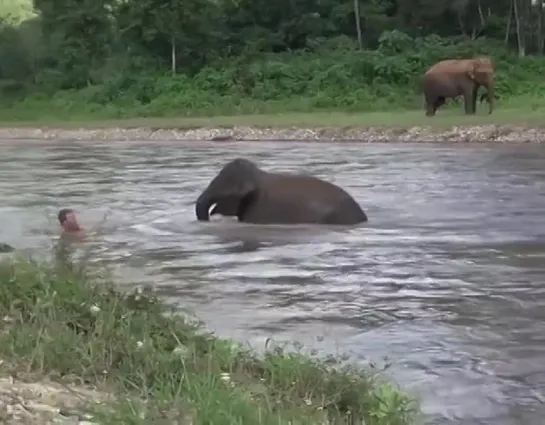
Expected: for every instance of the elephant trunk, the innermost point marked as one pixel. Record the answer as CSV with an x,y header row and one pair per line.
x,y
491,96
202,207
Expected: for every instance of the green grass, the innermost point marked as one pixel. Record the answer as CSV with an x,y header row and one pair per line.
x,y
526,115
335,84
163,368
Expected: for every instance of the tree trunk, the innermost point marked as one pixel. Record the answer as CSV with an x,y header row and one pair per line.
x,y
508,27
358,22
173,54
521,33
461,24
481,15
541,19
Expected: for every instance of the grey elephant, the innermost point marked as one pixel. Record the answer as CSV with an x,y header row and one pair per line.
x,y
253,195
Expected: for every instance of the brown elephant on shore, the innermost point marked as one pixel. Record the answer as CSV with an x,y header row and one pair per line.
x,y
458,77
253,195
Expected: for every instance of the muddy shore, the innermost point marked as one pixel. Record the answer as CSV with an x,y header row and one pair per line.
x,y
465,134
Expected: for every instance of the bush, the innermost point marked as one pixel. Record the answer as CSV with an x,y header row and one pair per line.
x,y
336,75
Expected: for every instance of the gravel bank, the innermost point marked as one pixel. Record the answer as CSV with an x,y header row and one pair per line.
x,y
467,134
46,403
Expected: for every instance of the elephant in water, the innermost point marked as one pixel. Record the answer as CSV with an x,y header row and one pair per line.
x,y
253,195
458,77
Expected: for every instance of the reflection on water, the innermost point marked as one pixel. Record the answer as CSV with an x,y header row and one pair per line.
x,y
447,278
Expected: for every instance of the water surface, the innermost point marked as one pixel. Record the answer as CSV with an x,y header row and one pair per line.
x,y
447,278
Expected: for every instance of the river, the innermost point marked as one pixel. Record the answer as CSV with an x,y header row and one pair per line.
x,y
447,279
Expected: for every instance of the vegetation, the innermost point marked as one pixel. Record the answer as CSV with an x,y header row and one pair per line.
x,y
523,116
116,59
164,368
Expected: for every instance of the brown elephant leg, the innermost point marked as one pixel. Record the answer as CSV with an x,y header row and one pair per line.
x,y
438,103
429,101
468,102
430,108
474,100
433,104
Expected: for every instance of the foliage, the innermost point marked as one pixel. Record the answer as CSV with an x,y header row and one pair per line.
x,y
116,59
59,322
337,76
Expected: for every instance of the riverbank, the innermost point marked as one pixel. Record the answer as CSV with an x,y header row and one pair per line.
x,y
74,350
504,127
467,134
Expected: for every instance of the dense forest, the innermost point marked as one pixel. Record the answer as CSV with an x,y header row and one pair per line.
x,y
215,56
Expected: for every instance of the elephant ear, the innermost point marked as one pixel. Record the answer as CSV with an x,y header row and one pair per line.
x,y
247,192
471,69
245,188
483,65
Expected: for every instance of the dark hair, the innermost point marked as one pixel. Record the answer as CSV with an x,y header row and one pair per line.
x,y
63,213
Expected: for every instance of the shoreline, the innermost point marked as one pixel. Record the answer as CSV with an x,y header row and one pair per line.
x,y
77,350
416,134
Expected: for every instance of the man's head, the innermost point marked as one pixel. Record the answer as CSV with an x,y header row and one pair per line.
x,y
68,221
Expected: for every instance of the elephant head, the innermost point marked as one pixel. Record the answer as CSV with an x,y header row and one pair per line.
x,y
481,70
230,191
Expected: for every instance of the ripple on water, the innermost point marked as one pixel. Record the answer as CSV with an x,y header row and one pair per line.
x,y
446,278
